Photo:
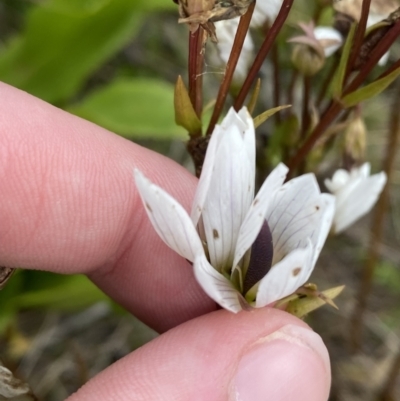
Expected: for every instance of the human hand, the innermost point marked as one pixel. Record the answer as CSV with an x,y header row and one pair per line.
x,y
69,205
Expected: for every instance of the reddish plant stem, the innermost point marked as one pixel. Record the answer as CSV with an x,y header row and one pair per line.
x,y
262,54
196,65
335,107
377,226
231,66
358,37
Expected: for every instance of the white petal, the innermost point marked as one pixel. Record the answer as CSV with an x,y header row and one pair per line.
x,y
299,212
285,277
359,202
326,33
249,136
206,174
226,31
326,215
258,210
230,193
340,178
169,219
266,10
216,285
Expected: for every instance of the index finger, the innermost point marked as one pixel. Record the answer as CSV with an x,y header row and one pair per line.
x,y
69,205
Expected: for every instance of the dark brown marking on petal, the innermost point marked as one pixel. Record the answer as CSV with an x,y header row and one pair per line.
x,y
317,207
149,208
296,271
215,234
262,252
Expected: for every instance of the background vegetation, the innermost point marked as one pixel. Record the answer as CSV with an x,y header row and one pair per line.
x,y
111,61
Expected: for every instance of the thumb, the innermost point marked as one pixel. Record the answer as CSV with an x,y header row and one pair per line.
x,y
262,355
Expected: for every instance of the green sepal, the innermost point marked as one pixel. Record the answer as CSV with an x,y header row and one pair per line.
x,y
185,115
300,305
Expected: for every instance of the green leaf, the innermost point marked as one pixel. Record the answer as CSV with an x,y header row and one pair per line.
x,y
75,7
369,91
261,118
58,50
90,6
134,108
338,79
74,292
185,115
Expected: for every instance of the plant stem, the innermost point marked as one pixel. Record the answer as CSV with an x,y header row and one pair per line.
x,y
358,37
262,54
231,66
376,226
195,67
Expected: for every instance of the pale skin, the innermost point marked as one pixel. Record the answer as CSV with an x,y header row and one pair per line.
x,y
69,205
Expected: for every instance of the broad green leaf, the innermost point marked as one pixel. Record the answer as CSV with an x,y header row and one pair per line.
x,y
338,79
74,292
91,6
77,7
134,108
185,115
57,51
261,118
369,91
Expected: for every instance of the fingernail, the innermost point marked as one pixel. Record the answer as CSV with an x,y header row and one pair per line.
x,y
290,364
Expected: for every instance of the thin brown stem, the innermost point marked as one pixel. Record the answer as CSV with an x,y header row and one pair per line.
x,y
262,54
231,66
358,36
196,65
377,226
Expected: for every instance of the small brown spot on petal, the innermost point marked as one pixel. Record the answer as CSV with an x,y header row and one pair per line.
x,y
317,207
296,271
255,202
149,208
215,234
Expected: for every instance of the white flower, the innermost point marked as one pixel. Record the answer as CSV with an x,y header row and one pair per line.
x,y
226,221
265,11
226,31
329,38
356,193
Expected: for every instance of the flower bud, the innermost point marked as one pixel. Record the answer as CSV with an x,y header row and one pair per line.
x,y
307,60
355,139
